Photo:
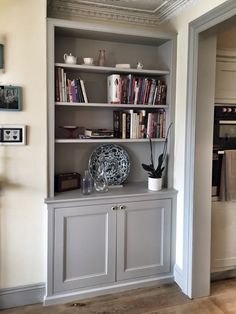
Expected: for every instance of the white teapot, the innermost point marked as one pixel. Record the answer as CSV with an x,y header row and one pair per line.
x,y
70,59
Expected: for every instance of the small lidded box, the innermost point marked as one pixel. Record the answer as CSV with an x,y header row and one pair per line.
x,y
67,181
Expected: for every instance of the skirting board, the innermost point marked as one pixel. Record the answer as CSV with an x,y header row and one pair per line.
x,y
70,296
23,295
223,274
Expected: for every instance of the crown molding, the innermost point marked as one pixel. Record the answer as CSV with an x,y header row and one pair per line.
x,y
105,12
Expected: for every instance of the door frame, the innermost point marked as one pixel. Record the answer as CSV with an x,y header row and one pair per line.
x,y
192,228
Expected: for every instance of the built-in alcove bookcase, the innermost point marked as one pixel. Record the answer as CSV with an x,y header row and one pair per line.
x,y
124,238
155,50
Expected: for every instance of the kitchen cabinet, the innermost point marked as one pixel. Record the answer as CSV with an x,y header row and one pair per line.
x,y
225,84
223,249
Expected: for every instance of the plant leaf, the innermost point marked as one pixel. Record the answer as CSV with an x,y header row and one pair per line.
x,y
160,160
147,167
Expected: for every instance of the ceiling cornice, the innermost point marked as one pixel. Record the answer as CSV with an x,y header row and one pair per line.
x,y
104,11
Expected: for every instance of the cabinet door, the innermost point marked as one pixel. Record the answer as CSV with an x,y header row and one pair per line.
x,y
143,239
84,247
223,234
225,87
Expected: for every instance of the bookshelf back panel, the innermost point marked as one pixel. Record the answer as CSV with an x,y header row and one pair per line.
x,y
115,52
111,36
83,118
95,85
71,158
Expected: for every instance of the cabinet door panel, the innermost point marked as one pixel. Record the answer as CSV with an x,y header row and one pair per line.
x,y
143,239
223,234
225,87
84,247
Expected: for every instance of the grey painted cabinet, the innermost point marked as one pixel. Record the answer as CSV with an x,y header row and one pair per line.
x,y
84,247
107,242
143,239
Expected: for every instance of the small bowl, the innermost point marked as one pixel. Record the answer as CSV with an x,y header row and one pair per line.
x,y
88,61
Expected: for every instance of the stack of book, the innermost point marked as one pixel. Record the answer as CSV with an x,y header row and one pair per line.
x,y
99,133
139,124
68,90
130,89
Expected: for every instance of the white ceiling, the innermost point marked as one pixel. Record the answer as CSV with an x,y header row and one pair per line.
x,y
150,12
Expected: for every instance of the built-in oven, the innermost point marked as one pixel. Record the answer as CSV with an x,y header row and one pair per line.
x,y
224,127
224,138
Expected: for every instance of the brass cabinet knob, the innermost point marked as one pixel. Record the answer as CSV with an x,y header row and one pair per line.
x,y
115,207
122,207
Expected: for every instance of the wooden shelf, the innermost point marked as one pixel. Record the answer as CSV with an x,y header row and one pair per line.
x,y
102,140
110,70
110,106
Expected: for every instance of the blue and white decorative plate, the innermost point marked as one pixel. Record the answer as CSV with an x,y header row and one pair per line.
x,y
115,160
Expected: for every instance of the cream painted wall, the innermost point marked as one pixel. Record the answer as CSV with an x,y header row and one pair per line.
x,y
23,168
179,24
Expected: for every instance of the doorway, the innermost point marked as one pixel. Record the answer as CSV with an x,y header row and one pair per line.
x,y
199,126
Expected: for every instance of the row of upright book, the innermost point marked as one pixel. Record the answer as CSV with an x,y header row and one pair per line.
x,y
136,90
69,90
139,124
121,89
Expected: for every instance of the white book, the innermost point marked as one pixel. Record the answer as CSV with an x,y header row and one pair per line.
x,y
149,121
124,125
154,97
134,125
83,91
152,92
136,90
131,111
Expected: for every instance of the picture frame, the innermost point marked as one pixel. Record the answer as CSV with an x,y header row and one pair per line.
x,y
10,98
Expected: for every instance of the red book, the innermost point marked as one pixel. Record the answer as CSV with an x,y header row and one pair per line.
x,y
149,82
132,91
57,93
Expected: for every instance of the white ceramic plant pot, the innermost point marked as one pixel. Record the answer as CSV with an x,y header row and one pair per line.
x,y
154,184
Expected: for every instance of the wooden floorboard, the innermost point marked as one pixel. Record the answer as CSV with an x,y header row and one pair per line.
x,y
165,299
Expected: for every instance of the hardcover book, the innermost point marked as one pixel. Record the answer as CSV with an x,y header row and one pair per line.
x,y
117,123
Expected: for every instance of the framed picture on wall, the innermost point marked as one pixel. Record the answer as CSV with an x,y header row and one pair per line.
x,y
10,98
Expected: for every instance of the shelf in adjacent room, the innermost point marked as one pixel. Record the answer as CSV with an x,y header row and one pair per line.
x,y
110,70
111,106
109,140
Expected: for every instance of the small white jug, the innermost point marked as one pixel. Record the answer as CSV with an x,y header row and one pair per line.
x,y
70,59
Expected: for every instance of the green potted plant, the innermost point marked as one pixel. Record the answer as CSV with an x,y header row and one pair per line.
x,y
155,173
